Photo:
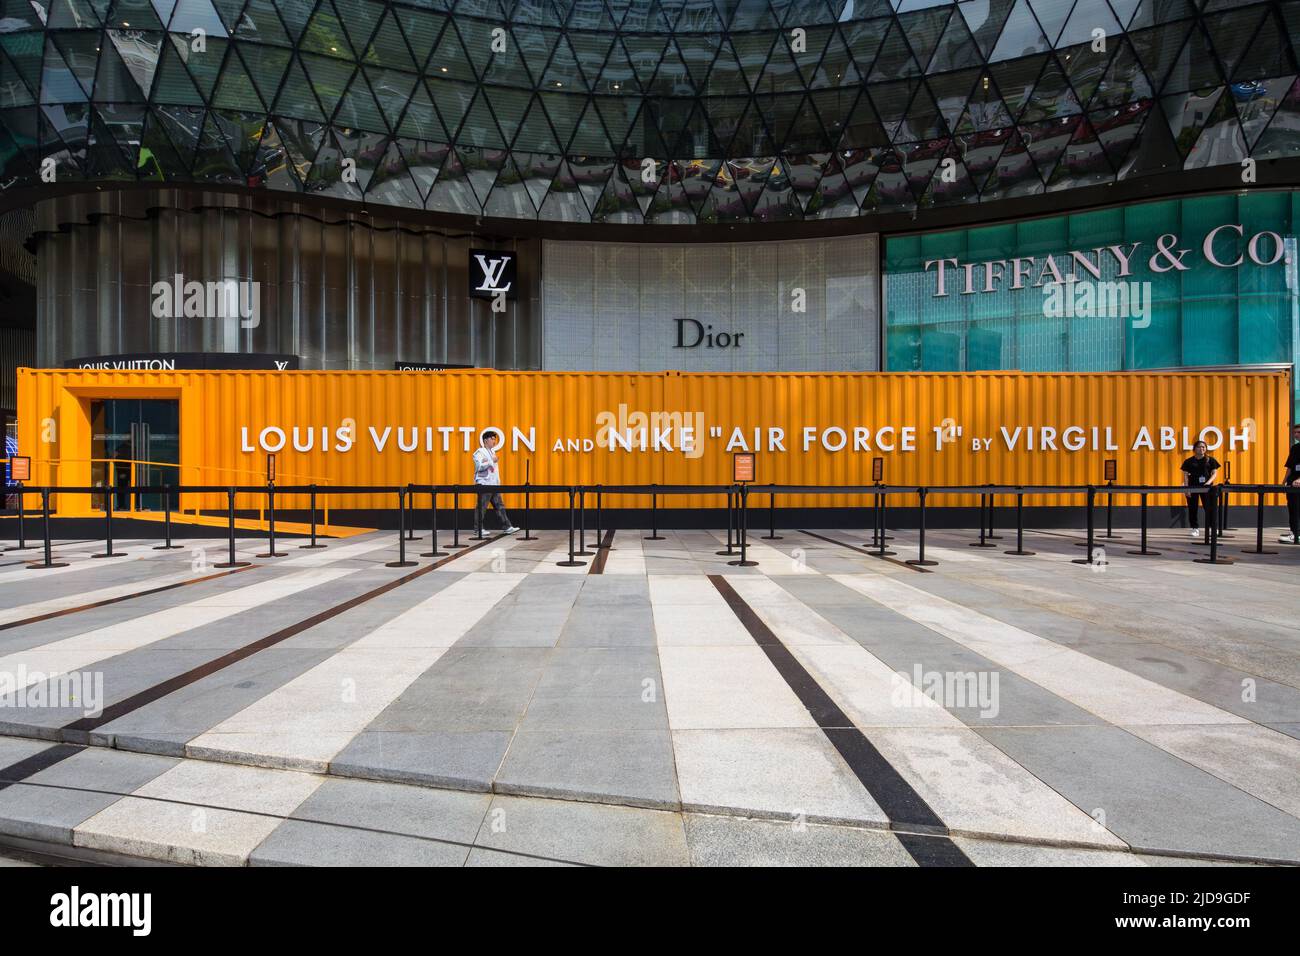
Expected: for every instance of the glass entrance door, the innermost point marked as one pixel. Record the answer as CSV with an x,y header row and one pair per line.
x,y
134,438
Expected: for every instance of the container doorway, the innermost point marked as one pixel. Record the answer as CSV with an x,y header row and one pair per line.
x,y
135,441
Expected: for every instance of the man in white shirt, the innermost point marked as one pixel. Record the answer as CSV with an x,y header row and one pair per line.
x,y
486,473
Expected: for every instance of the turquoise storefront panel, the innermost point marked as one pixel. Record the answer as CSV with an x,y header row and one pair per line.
x,y
1132,287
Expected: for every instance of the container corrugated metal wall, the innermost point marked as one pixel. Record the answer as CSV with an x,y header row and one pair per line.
x,y
215,406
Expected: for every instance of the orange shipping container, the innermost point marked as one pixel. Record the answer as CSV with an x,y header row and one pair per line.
x,y
393,428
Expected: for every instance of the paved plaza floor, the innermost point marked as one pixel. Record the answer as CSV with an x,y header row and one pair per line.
x,y
656,705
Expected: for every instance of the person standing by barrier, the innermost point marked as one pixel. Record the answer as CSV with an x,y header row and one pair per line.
x,y
1292,478
1198,472
487,474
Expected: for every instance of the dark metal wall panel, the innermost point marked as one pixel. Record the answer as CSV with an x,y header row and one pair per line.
x,y
342,292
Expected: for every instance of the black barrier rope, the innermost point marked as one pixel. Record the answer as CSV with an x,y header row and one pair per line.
x,y
737,508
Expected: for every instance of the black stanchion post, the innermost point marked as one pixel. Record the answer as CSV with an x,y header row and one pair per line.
x,y
654,516
401,561
742,529
1259,530
1092,537
1020,525
410,514
882,511
992,535
167,522
49,561
22,525
230,524
314,542
455,520
1144,551
771,518
1214,493
528,504
582,551
920,561
433,551
573,562
1110,513
986,501
109,493
270,523
600,522
731,519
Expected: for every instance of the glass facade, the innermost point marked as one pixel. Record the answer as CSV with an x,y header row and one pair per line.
x,y
1202,281
654,111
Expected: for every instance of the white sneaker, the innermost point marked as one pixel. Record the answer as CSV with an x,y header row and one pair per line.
x,y
1289,539
1196,532
510,530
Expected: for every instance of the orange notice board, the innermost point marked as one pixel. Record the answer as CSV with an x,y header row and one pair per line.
x,y
391,428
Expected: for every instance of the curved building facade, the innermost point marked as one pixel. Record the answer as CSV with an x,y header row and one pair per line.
x,y
714,185
668,112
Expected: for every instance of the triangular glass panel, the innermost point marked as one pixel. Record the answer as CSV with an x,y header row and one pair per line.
x,y
113,82
672,78
139,53
325,34
1052,15
924,29
296,97
390,184
536,46
479,128
1015,80
191,15
1084,162
1187,115
564,111
1257,101
329,78
1021,35
453,99
752,50
589,138
956,49
1221,141
863,39
204,67
260,22
388,48
423,31
360,18
895,58
235,90
523,122
358,109
1158,48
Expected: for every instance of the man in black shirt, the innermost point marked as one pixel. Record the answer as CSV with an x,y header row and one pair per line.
x,y
1199,472
1292,477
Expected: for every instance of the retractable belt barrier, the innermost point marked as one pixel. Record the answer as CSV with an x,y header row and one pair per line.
x,y
735,495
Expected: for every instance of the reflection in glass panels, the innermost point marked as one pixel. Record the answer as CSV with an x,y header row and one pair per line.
x,y
663,111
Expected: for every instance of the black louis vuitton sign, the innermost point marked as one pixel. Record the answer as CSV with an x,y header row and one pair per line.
x,y
492,273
